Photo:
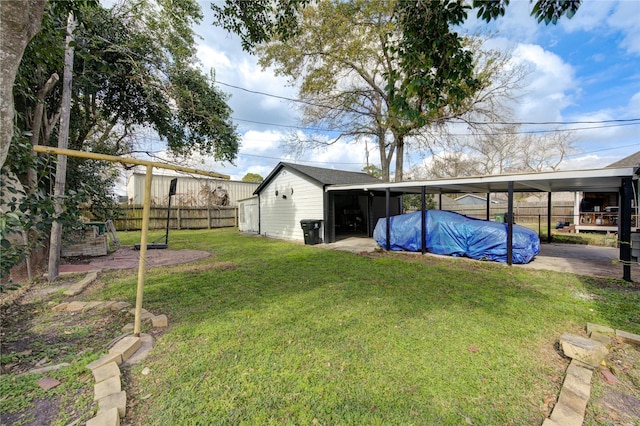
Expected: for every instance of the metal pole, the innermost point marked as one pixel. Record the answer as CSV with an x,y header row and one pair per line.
x,y
549,207
488,205
626,195
539,226
510,225
388,208
166,235
142,265
423,225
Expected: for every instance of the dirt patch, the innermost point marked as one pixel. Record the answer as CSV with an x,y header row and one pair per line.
x,y
618,402
35,336
43,412
129,258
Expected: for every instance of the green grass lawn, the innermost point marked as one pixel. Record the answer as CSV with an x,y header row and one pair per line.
x,y
272,332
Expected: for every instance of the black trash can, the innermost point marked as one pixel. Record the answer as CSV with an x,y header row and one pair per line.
x,y
311,231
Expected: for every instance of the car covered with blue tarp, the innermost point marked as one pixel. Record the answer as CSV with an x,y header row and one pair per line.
x,y
453,234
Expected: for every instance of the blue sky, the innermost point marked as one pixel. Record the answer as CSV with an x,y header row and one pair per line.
x,y
583,69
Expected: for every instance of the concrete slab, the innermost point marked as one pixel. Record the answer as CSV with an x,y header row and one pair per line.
x,y
115,400
76,306
106,387
146,344
126,347
579,371
572,258
92,305
565,416
118,306
60,307
585,350
634,339
105,359
603,329
160,321
106,418
106,371
605,339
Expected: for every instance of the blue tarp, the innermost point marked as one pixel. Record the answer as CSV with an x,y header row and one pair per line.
x,y
454,234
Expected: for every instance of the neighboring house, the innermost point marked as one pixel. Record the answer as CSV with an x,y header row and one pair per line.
x,y
191,191
473,200
599,211
294,192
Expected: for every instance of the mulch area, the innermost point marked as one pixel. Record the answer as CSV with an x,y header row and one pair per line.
x,y
129,258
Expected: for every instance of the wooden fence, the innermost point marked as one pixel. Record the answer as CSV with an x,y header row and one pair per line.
x,y
130,218
522,212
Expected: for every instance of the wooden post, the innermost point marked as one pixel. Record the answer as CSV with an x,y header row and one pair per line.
x,y
63,141
142,264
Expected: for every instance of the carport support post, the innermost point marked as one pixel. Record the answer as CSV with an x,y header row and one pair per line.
x,y
142,264
510,224
423,225
626,195
388,208
488,205
549,207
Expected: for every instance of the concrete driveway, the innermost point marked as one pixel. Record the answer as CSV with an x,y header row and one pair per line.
x,y
571,258
583,260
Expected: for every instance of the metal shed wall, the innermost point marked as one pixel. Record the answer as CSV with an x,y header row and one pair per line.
x,y
190,191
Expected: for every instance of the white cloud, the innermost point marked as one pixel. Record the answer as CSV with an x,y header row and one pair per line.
x,y
549,86
212,59
260,141
590,16
626,19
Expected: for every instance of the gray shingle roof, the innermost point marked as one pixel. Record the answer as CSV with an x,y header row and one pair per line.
x,y
632,160
322,175
332,176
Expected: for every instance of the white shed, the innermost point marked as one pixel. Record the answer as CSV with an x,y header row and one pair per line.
x,y
292,193
249,215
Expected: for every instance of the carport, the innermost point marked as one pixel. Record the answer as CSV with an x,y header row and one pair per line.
x,y
622,180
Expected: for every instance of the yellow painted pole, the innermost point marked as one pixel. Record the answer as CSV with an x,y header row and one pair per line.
x,y
142,264
125,160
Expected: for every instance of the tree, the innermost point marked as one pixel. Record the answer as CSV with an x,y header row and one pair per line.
x,y
19,23
505,151
252,177
133,68
350,79
373,170
259,21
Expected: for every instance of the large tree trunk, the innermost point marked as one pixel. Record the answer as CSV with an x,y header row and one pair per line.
x,y
63,141
19,22
399,156
385,158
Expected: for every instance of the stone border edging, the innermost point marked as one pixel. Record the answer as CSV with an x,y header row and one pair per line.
x,y
108,393
586,355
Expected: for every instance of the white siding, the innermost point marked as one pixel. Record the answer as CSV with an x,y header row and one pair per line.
x,y
279,216
248,213
190,191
